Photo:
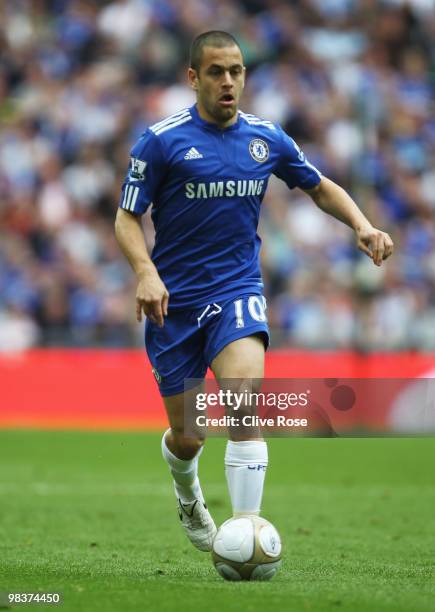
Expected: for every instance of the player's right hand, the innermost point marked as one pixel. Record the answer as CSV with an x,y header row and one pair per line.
x,y
152,298
374,243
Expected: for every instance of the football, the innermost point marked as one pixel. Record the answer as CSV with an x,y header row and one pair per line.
x,y
247,548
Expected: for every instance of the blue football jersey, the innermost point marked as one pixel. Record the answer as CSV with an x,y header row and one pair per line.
x,y
206,185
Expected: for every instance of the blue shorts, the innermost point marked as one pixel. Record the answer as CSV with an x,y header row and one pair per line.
x,y
190,339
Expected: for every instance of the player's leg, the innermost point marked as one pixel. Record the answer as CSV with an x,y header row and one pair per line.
x,y
240,366
181,454
175,354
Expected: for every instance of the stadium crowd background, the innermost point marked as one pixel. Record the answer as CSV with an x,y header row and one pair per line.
x,y
352,81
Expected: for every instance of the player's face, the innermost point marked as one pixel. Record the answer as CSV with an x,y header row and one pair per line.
x,y
219,84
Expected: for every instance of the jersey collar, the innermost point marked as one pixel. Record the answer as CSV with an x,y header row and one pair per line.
x,y
212,126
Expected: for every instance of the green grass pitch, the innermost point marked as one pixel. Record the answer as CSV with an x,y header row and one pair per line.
x,y
92,515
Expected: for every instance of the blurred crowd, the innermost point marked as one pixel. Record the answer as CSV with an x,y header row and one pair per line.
x,y
352,81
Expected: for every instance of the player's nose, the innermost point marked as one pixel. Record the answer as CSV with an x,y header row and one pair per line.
x,y
227,80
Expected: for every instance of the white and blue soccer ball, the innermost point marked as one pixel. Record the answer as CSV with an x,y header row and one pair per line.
x,y
247,548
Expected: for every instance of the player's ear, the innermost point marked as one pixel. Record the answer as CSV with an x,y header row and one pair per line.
x,y
193,78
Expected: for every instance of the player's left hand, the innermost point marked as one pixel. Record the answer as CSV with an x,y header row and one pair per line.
x,y
374,243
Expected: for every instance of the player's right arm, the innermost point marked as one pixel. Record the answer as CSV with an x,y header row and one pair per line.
x,y
139,189
152,297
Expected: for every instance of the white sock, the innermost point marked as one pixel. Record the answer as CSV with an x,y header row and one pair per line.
x,y
184,473
245,469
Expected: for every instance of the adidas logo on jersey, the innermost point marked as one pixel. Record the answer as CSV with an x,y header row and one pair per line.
x,y
193,153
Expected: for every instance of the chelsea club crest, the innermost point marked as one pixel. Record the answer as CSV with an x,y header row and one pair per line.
x,y
259,150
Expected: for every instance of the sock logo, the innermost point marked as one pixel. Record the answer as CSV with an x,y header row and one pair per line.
x,y
258,467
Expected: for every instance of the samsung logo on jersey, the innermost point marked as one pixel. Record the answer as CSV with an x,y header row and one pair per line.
x,y
227,189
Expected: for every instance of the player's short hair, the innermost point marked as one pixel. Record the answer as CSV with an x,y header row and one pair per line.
x,y
213,38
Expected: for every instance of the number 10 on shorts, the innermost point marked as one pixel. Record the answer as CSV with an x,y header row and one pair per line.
x,y
256,309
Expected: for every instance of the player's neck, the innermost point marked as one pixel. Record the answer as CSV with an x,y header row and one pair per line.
x,y
205,116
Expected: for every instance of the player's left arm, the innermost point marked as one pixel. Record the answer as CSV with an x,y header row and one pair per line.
x,y
335,201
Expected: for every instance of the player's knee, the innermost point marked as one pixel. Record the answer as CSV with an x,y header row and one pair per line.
x,y
242,383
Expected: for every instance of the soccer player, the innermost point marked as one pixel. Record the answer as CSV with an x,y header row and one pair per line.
x,y
205,171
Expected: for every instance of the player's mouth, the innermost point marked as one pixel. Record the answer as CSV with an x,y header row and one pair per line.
x,y
226,100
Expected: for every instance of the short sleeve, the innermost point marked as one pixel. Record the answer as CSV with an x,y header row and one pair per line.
x,y
293,167
147,168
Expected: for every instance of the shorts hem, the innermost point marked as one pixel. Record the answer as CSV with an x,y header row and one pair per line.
x,y
176,389
251,331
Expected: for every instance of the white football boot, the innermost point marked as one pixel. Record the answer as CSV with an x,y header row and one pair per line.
x,y
198,524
